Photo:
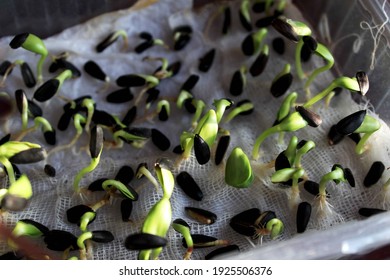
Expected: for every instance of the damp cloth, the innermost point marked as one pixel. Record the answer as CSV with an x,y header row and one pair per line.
x,y
53,196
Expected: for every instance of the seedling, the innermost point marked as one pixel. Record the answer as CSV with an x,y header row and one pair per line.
x,y
238,170
47,90
252,42
111,38
282,81
183,228
244,14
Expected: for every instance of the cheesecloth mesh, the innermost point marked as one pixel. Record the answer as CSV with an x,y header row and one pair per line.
x,y
53,196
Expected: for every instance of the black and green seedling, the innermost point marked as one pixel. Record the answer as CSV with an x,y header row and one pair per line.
x,y
160,140
60,62
238,169
95,150
303,216
374,174
130,116
49,170
27,74
143,171
313,119
201,149
49,132
282,81
243,107
359,122
48,89
135,136
368,212
166,70
138,80
238,82
163,110
284,109
334,137
125,174
60,240
26,228
126,209
260,62
206,61
120,96
244,15
16,197
70,109
97,185
103,119
204,241
201,215
223,144
189,186
111,186
99,236
95,71
112,38
243,222
82,215
23,107
287,175
220,253
149,42
144,241
278,45
33,44
252,42
184,229
181,36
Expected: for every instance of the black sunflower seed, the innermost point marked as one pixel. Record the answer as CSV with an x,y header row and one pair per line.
x,y
97,185
39,226
145,35
285,29
189,106
282,162
222,146
106,42
236,84
143,46
201,215
144,241
368,212
33,109
60,240
200,241
281,85
202,150
313,188
312,118
94,70
18,40
258,7
4,67
64,120
190,83
243,223
49,170
374,174
310,42
278,45
126,209
6,106
259,64
131,80
363,82
206,61
248,45
174,68
102,236
245,22
5,139
181,222
217,253
28,75
178,150
103,118
264,218
266,21
350,123
182,36
130,116
28,156
17,172
306,53
349,176
74,214
153,94
96,141
160,140
125,174
50,137
13,203
355,137
47,90
120,96
20,98
334,137
66,65
227,20
163,114
303,216
189,186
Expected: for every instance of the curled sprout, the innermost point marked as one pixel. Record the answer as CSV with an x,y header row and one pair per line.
x,y
144,171
369,126
183,96
85,236
38,121
284,110
199,105
184,229
221,105
244,107
89,104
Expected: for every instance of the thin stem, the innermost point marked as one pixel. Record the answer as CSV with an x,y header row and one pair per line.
x,y
39,68
10,170
360,147
259,140
325,54
85,170
337,174
298,63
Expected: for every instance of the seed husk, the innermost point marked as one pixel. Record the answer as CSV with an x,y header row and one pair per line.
x,y
285,29
50,137
27,75
29,156
163,114
237,84
182,36
6,106
60,240
312,118
202,216
227,20
206,61
281,85
243,223
120,96
244,21
190,187
125,174
63,64
20,98
305,53
190,107
363,82
334,137
126,209
106,42
153,94
313,188
33,109
4,67
368,212
130,116
215,254
303,216
74,214
5,139
278,45
47,90
351,122
222,146
95,71
282,162
64,121
178,150
18,40
374,174
49,170
259,64
102,236
13,203
201,241
267,21
96,141
144,241
310,42
202,150
160,140
190,83
131,80
97,185
355,137
349,176
143,46
248,45
101,117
